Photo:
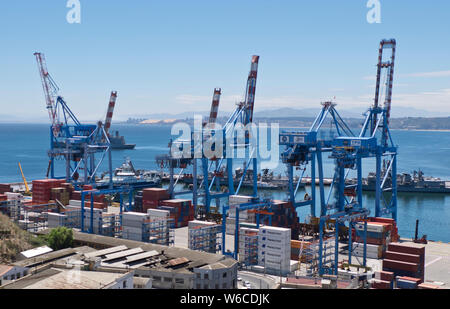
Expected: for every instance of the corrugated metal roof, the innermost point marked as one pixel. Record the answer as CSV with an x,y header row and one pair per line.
x,y
122,254
142,256
106,251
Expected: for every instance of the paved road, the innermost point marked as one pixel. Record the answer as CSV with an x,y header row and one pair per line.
x,y
258,281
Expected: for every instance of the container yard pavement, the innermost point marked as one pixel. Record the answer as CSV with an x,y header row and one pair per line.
x,y
437,263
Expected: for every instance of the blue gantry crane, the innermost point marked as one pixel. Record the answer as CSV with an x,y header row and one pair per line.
x,y
374,141
217,180
305,148
70,140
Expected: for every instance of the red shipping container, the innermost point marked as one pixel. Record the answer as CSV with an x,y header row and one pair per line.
x,y
371,241
3,198
155,194
384,276
384,220
416,280
427,286
5,188
410,267
76,195
408,248
96,205
381,284
410,258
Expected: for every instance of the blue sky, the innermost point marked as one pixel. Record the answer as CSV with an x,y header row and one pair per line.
x,y
167,56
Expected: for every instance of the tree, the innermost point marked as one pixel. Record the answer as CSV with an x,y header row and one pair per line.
x,y
60,238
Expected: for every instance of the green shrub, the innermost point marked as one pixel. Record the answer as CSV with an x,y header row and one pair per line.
x,y
60,238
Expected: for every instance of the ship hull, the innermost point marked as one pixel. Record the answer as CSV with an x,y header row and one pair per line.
x,y
122,146
412,189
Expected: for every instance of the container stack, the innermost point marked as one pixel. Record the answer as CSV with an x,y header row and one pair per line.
x,y
234,201
428,286
55,220
5,188
138,201
181,211
248,246
61,194
285,216
383,280
274,249
299,250
151,198
133,224
203,236
3,198
380,232
97,227
391,227
405,259
160,227
99,199
42,189
10,196
407,283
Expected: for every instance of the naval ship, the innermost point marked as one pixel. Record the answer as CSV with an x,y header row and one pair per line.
x,y
118,142
406,182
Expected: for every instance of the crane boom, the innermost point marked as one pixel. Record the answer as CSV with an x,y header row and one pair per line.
x,y
49,86
388,67
215,105
110,112
251,90
24,179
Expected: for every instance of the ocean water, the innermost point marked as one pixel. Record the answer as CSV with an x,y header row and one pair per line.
x,y
428,151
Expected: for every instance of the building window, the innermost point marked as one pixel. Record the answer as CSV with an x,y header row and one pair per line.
x,y
224,275
167,279
206,276
156,278
179,281
125,284
199,276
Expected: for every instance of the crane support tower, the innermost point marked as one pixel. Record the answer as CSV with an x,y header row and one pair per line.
x,y
305,148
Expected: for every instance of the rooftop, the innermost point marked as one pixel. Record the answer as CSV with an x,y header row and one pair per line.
x,y
4,269
36,252
54,278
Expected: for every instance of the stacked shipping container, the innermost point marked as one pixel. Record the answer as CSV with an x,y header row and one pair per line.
x,y
383,280
405,259
380,232
285,216
42,189
5,188
152,196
